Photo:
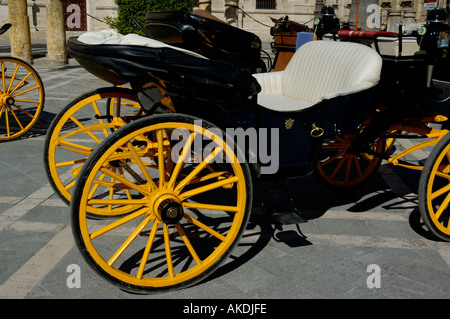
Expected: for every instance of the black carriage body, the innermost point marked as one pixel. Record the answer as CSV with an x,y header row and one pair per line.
x,y
407,95
407,83
301,134
413,87
288,143
291,142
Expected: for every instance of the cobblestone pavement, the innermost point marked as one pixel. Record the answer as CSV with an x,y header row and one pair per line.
x,y
332,255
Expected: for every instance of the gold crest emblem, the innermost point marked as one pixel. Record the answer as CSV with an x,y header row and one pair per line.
x,y
289,123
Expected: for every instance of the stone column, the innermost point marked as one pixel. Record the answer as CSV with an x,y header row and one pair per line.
x,y
231,14
19,33
56,32
365,15
393,20
318,6
205,5
419,11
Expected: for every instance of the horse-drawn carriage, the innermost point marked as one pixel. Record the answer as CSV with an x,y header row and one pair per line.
x,y
159,176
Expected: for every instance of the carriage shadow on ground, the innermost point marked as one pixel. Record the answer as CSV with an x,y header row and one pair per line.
x,y
42,125
313,200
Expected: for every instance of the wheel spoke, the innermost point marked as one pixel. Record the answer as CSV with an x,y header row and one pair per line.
x,y
204,227
70,185
197,170
75,148
111,195
161,163
16,118
181,160
118,104
124,181
208,187
338,167
348,168
3,78
115,201
118,223
24,112
439,192
188,244
96,185
357,166
71,163
84,129
28,101
97,112
88,130
224,208
20,83
332,158
168,251
333,146
148,248
127,191
443,175
442,207
130,239
12,78
8,133
26,91
142,167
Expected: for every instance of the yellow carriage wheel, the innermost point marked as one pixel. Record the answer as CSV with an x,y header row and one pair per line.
x,y
434,190
340,169
76,131
79,128
188,194
21,98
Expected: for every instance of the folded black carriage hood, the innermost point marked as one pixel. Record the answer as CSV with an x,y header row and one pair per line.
x,y
192,31
119,64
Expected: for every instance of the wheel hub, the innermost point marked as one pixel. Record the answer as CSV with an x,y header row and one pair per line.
x,y
168,208
8,100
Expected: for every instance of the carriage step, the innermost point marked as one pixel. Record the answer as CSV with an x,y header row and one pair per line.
x,y
278,203
290,218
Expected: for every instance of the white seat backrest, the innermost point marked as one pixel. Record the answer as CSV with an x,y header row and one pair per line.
x,y
319,67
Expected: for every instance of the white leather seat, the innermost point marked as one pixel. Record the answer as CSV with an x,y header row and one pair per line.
x,y
318,71
112,37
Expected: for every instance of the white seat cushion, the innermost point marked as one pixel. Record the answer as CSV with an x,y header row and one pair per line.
x,y
279,102
112,37
320,70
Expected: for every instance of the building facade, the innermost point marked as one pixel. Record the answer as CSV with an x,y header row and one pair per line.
x,y
251,15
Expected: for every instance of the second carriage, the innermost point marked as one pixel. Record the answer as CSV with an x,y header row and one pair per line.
x,y
22,96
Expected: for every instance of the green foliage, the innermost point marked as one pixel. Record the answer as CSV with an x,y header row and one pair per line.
x,y
138,8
